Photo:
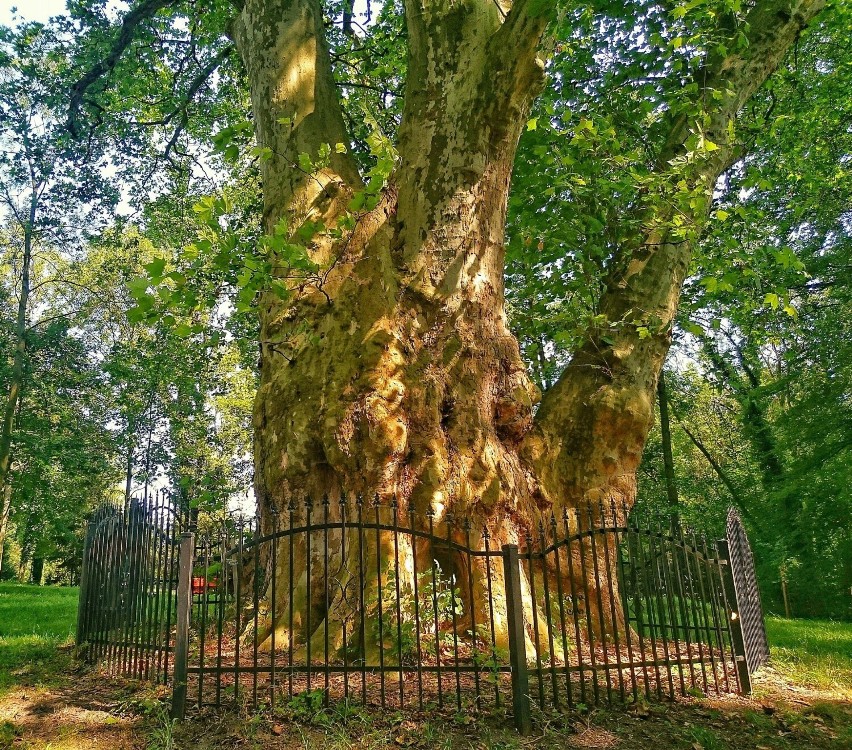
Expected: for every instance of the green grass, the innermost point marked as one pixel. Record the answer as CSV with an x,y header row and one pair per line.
x,y
814,653
37,623
34,622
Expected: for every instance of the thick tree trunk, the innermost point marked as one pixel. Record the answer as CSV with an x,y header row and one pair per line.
x,y
398,377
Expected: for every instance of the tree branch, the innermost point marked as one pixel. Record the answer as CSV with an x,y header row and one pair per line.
x,y
295,103
736,497
134,18
608,387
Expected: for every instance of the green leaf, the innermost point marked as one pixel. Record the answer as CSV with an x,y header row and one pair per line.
x,y
138,286
357,202
305,163
156,267
231,153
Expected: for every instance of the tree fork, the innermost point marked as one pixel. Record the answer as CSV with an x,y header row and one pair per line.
x,y
409,382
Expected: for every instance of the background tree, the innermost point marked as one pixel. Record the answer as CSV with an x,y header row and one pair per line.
x,y
44,183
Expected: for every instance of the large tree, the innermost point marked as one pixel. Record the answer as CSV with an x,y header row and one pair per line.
x,y
388,367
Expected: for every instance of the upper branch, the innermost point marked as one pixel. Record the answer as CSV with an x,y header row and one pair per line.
x,y
472,76
772,27
134,18
295,103
606,393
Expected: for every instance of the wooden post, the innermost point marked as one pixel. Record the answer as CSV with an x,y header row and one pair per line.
x,y
517,639
734,623
184,609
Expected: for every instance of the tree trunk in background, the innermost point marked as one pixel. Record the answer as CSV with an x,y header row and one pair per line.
x,y
666,431
736,495
16,381
5,512
401,378
37,571
128,473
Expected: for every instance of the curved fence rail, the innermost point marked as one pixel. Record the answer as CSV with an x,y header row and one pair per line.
x,y
364,603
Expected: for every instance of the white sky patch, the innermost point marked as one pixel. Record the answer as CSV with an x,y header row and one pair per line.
x,y
244,504
13,12
29,10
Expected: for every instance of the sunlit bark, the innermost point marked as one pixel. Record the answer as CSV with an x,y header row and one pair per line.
x,y
398,376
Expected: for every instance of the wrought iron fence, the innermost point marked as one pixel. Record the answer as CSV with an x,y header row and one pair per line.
x,y
360,602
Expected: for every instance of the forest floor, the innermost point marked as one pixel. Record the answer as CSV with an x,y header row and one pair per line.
x,y
803,700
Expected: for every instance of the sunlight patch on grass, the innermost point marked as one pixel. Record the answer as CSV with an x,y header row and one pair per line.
x,y
813,653
35,621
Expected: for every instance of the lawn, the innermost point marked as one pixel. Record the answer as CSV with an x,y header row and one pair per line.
x,y
812,653
803,700
35,621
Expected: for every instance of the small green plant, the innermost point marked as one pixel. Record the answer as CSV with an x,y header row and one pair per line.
x,y
430,614
490,659
161,735
707,739
307,705
8,733
695,692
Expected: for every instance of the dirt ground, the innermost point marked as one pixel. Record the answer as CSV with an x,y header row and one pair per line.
x,y
84,709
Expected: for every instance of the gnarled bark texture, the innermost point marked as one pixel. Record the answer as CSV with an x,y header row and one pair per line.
x,y
401,377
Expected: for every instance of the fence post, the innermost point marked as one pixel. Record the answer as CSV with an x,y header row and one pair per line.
x,y
734,622
184,609
517,639
83,597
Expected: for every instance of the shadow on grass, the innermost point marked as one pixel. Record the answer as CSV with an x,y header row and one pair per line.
x,y
80,714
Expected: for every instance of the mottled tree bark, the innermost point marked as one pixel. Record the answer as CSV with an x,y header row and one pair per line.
x,y
399,377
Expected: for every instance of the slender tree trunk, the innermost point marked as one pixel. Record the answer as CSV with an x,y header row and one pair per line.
x,y
736,495
5,514
37,571
668,456
401,378
128,472
16,381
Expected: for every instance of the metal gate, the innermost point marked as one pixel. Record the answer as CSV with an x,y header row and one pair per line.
x,y
128,588
747,626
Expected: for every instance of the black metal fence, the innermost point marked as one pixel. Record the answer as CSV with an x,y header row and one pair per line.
x,y
361,602
128,585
